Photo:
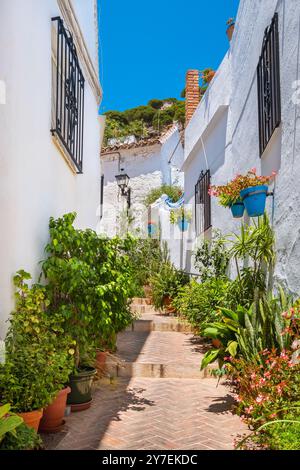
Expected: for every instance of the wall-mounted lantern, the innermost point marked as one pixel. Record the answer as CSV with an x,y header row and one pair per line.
x,y
123,182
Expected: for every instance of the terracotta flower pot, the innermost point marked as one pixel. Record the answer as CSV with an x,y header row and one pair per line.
x,y
100,360
32,418
216,343
148,293
229,31
168,305
52,419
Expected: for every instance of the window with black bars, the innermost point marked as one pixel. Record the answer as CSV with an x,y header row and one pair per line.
x,y
268,83
202,203
68,94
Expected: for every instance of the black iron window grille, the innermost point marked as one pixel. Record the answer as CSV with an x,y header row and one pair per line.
x,y
202,203
68,119
268,82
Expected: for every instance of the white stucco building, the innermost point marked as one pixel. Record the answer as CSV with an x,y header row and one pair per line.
x,y
149,163
223,136
48,81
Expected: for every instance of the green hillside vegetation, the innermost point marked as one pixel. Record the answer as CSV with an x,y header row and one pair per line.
x,y
144,121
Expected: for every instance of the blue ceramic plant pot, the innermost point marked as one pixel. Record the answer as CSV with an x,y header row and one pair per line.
x,y
182,224
254,199
152,229
237,210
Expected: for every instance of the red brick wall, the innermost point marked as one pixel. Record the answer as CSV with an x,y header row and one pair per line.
x,y
192,93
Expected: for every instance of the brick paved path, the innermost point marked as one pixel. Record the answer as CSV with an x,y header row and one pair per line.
x,y
156,397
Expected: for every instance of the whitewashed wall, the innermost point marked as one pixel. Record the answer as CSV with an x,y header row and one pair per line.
x,y
148,168
35,181
235,85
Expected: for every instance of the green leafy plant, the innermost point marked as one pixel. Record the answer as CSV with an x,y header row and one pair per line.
x,y
173,192
180,214
166,282
245,332
145,258
199,302
39,353
212,257
89,284
24,438
9,422
143,121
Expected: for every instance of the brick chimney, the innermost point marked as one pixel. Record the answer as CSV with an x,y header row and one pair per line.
x,y
192,94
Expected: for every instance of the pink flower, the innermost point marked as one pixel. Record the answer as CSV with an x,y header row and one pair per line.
x,y
262,381
284,356
253,170
253,376
274,173
259,399
249,409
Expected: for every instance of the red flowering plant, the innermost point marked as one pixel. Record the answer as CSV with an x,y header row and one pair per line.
x,y
229,194
269,389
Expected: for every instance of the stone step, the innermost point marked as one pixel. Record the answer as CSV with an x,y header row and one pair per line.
x,y
141,301
146,352
171,324
141,308
156,370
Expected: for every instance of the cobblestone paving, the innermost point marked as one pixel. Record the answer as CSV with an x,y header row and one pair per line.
x,y
155,413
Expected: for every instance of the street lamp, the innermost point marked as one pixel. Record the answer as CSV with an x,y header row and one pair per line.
x,y
123,181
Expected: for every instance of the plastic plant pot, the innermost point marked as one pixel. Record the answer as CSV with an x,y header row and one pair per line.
x,y
254,199
237,210
183,224
80,397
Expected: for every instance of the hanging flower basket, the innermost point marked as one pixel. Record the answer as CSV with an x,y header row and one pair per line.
x,y
244,192
237,210
182,217
254,199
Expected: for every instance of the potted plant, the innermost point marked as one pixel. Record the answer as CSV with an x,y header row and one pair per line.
x,y
89,283
230,28
244,191
182,217
8,421
38,355
229,196
14,434
207,75
254,190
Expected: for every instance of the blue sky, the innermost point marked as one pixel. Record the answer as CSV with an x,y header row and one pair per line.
x,y
147,46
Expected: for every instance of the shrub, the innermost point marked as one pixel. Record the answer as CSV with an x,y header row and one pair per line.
x,y
268,390
39,353
9,422
173,192
245,332
156,104
145,258
90,281
212,257
200,303
25,438
166,283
